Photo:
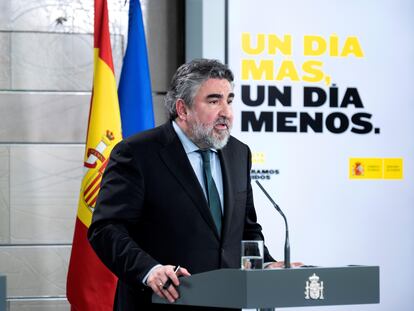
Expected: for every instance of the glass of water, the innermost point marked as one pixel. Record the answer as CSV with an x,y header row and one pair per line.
x,y
251,255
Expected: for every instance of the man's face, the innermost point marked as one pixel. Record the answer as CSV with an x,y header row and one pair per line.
x,y
210,118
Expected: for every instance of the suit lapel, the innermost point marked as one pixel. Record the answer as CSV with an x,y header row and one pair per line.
x,y
227,189
175,158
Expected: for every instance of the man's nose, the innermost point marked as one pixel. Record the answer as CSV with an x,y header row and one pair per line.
x,y
226,110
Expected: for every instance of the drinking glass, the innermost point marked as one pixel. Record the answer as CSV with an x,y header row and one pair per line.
x,y
251,255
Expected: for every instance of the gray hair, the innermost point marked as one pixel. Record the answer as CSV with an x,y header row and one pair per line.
x,y
188,79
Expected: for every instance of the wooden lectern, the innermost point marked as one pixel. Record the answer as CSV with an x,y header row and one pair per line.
x,y
277,288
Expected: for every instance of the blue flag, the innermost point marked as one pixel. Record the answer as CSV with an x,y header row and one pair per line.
x,y
134,92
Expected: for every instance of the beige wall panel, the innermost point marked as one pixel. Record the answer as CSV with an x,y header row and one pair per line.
x,y
4,195
73,21
39,305
51,61
35,271
5,66
60,15
56,61
44,190
56,15
5,14
43,117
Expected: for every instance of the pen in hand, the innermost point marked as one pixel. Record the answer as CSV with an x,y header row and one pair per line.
x,y
168,283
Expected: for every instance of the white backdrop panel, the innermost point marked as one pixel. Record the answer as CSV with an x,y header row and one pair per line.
x,y
335,220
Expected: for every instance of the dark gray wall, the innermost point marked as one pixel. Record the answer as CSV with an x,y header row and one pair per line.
x,y
164,26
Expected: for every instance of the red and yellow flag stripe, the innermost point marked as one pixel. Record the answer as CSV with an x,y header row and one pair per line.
x,y
90,285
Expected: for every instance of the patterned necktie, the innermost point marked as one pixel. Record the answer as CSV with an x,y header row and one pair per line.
x,y
211,189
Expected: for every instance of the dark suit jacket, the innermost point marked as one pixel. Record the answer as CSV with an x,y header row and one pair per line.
x,y
152,210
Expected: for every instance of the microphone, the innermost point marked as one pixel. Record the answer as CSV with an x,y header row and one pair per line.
x,y
287,245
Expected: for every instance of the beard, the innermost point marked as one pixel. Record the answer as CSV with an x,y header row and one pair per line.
x,y
206,136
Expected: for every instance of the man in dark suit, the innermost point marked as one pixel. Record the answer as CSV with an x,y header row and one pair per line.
x,y
178,194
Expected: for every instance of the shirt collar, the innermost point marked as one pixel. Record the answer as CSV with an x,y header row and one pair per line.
x,y
188,145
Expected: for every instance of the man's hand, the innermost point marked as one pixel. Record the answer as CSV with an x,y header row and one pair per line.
x,y
160,275
281,264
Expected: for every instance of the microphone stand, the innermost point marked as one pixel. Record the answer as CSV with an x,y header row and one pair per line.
x,y
287,245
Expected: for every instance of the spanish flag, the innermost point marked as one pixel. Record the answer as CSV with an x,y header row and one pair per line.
x,y
90,285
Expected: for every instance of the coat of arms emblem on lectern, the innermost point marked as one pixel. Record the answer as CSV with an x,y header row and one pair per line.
x,y
314,288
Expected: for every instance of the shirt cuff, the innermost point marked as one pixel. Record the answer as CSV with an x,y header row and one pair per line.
x,y
144,280
266,264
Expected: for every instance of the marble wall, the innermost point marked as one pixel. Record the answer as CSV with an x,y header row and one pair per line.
x,y
46,64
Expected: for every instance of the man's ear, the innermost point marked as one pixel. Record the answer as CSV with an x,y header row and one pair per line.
x,y
181,109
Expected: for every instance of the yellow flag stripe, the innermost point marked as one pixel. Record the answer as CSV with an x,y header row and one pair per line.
x,y
104,131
